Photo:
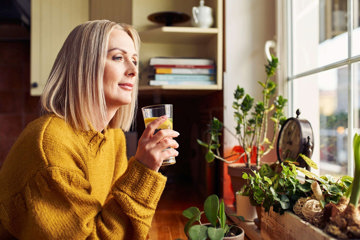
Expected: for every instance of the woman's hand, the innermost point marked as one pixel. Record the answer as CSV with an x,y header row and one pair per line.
x,y
152,148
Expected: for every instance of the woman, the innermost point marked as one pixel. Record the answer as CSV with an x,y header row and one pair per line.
x,y
67,176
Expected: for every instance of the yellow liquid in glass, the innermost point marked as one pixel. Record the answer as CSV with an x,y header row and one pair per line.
x,y
168,124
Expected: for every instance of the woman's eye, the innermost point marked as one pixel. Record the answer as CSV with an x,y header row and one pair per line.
x,y
135,62
117,58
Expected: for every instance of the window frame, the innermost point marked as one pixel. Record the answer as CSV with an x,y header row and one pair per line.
x,y
286,76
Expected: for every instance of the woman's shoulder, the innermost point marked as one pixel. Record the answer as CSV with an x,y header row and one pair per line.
x,y
45,123
50,138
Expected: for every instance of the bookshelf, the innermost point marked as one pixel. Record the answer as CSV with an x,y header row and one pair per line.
x,y
183,41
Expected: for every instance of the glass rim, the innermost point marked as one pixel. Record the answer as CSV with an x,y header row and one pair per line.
x,y
156,106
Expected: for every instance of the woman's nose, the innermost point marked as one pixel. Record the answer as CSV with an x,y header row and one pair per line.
x,y
131,69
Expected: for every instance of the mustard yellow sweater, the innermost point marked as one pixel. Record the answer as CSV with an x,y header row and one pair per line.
x,y
60,183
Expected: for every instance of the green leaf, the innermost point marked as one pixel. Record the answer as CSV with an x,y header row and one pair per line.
x,y
222,215
210,156
245,176
211,208
307,173
355,192
198,232
285,203
241,218
202,143
309,162
268,180
191,212
216,233
189,224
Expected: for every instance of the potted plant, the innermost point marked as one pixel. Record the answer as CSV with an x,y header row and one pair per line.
x,y
252,123
216,227
278,190
251,129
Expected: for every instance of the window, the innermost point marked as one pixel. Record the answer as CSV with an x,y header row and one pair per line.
x,y
322,72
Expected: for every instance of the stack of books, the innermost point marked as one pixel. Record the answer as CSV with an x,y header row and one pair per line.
x,y
182,71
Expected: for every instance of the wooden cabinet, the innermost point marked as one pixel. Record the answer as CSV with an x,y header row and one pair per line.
x,y
51,23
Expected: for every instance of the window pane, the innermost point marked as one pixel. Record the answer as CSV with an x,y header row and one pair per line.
x,y
356,91
319,33
356,30
322,99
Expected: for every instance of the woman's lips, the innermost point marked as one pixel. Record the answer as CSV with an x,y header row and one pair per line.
x,y
126,86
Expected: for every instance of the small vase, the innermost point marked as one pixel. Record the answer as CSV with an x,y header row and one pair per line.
x,y
244,208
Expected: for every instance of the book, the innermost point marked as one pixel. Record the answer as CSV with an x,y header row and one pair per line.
x,y
180,61
183,77
184,70
182,66
199,82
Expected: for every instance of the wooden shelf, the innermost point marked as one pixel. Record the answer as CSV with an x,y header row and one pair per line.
x,y
169,90
178,34
180,87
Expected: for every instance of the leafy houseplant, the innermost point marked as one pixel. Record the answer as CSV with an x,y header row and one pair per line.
x,y
275,186
278,186
251,123
215,213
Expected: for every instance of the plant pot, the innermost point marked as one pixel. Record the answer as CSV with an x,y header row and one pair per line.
x,y
236,170
239,233
244,208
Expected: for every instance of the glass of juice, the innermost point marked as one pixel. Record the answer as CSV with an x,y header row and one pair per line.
x,y
152,112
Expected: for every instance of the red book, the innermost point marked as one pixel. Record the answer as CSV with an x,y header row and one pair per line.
x,y
183,66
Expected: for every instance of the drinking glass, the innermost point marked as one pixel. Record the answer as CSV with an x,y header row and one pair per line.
x,y
152,112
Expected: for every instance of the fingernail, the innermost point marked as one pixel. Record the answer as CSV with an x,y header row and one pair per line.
x,y
177,133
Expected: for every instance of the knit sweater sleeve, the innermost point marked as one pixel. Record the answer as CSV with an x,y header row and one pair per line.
x,y
55,201
56,204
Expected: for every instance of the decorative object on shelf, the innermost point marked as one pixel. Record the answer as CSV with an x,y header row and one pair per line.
x,y
202,16
169,18
181,71
216,228
295,137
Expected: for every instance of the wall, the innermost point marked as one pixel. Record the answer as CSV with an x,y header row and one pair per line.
x,y
17,107
249,24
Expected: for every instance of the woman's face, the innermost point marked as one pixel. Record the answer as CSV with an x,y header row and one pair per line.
x,y
120,70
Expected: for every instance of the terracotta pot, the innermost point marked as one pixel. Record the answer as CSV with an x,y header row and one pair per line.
x,y
244,208
235,171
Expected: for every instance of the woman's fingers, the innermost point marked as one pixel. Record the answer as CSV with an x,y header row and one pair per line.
x,y
156,146
151,127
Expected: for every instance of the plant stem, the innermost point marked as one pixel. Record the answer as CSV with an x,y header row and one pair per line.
x,y
355,192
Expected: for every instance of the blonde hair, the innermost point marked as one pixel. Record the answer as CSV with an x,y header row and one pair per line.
x,y
75,85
